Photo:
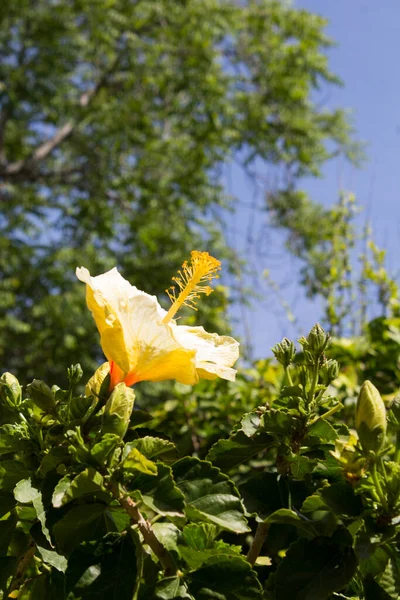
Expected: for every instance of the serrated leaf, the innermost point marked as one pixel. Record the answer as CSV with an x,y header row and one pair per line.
x,y
209,494
261,494
84,522
200,536
168,534
155,448
224,578
118,565
88,482
341,499
139,417
390,579
316,568
277,422
103,449
323,430
170,588
238,449
159,492
54,559
300,466
25,492
251,422
313,503
285,516
11,472
136,461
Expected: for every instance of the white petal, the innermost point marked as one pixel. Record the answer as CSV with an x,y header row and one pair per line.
x,y
215,354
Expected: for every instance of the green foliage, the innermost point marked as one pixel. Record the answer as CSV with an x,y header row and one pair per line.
x,y
115,122
290,504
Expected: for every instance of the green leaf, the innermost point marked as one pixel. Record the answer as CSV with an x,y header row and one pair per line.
x,y
54,457
79,406
54,559
168,534
251,422
285,516
7,503
316,568
136,461
114,569
196,558
41,395
159,492
155,448
139,417
7,528
8,564
200,536
12,471
261,494
170,588
86,522
313,503
238,449
300,466
118,409
341,499
322,430
225,578
390,580
25,492
13,439
88,482
209,494
102,450
277,422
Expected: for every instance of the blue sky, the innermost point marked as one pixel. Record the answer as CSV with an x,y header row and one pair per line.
x,y
366,58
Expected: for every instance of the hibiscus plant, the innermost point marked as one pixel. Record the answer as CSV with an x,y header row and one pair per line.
x,y
99,497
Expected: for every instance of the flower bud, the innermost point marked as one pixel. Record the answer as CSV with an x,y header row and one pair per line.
x,y
118,409
41,395
316,342
329,371
284,352
74,373
370,418
99,384
10,390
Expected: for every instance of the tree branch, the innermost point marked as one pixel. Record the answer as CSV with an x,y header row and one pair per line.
x,y
47,147
145,529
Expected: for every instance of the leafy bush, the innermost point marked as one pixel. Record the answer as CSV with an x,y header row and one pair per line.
x,y
245,490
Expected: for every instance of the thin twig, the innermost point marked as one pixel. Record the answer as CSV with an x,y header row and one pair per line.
x,y
145,529
22,566
259,538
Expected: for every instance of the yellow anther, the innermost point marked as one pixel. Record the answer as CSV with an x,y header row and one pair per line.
x,y
192,281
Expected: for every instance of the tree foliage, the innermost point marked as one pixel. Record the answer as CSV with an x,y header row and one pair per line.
x,y
115,121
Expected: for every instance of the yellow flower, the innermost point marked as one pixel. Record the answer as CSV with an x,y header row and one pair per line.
x,y
142,341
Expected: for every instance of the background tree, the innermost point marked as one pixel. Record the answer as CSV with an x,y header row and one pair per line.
x,y
115,120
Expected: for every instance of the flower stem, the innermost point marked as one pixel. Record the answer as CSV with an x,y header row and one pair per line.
x,y
378,487
145,529
259,538
288,376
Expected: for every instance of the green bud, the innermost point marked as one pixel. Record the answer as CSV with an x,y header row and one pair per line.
x,y
10,390
74,374
99,384
284,352
118,409
315,343
370,418
41,395
329,371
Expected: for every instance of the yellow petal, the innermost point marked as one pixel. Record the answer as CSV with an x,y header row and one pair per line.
x,y
215,354
132,333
